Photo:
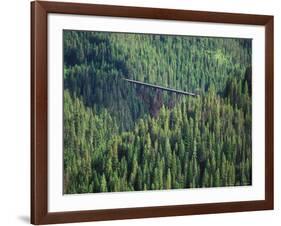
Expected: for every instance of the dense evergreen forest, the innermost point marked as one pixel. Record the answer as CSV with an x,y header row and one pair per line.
x,y
120,136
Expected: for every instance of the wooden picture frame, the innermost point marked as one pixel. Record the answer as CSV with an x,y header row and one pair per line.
x,y
39,112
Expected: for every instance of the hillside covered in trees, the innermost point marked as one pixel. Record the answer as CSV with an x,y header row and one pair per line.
x,y
124,137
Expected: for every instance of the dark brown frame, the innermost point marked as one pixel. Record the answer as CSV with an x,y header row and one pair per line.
x,y
39,109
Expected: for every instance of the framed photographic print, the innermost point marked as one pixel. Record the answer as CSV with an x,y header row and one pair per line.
x,y
145,112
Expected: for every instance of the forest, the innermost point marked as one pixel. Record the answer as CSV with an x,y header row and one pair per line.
x,y
120,136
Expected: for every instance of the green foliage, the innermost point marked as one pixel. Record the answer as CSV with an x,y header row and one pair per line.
x,y
122,137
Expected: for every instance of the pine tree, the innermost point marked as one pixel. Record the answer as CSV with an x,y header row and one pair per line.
x,y
103,184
